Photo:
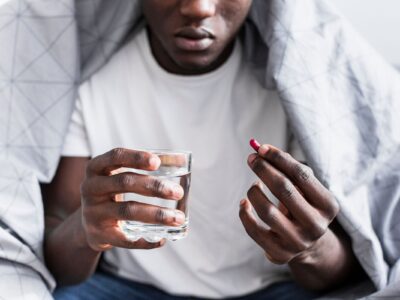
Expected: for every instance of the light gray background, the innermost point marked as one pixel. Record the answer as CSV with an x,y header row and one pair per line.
x,y
378,21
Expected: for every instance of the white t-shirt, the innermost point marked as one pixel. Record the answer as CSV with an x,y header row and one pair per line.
x,y
132,102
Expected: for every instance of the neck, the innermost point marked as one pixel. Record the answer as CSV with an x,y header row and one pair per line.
x,y
168,64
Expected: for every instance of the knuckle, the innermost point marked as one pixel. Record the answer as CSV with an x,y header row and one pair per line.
x,y
270,214
285,188
157,186
317,230
125,180
138,156
278,156
303,173
161,216
126,210
117,154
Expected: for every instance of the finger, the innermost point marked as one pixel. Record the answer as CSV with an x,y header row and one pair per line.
x,y
146,213
277,253
119,157
284,210
275,219
266,210
303,177
250,224
129,182
265,238
284,190
174,159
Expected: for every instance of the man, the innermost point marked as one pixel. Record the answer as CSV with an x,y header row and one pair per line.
x,y
182,82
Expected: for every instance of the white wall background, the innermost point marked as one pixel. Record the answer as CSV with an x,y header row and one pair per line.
x,y
378,21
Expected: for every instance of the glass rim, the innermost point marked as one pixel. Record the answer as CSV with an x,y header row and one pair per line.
x,y
167,151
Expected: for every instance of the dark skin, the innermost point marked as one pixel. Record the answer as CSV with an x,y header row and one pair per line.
x,y
81,207
82,204
170,20
301,231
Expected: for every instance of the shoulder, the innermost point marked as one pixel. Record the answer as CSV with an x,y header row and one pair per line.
x,y
117,67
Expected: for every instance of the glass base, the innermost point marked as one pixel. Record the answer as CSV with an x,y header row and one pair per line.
x,y
153,233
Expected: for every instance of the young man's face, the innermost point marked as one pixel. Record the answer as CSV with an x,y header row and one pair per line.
x,y
193,36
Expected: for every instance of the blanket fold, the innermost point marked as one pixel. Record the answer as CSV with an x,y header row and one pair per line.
x,y
341,97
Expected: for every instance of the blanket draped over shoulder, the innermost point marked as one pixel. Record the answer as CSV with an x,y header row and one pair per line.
x,y
342,99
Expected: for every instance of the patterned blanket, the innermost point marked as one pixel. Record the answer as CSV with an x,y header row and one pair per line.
x,y
342,98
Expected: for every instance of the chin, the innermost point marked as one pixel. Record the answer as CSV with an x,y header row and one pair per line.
x,y
198,64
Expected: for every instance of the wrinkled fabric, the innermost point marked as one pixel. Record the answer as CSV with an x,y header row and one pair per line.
x,y
342,99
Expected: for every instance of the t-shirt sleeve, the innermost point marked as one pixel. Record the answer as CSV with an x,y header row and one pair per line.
x,y
76,142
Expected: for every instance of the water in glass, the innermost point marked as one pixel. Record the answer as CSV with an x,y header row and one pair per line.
x,y
176,167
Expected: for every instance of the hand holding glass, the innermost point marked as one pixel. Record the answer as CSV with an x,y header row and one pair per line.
x,y
175,167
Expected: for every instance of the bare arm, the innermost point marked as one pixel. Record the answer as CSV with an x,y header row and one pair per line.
x,y
82,212
67,253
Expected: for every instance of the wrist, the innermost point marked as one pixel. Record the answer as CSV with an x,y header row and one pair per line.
x,y
321,266
79,234
328,243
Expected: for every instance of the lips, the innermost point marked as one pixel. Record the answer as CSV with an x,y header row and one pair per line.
x,y
194,38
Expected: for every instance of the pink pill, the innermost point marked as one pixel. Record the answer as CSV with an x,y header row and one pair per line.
x,y
254,144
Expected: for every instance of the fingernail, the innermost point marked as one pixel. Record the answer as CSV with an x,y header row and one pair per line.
x,y
154,161
251,158
179,217
242,202
263,150
258,183
176,190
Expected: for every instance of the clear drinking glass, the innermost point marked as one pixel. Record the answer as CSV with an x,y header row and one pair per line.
x,y
175,166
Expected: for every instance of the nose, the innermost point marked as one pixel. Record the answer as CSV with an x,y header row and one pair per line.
x,y
198,9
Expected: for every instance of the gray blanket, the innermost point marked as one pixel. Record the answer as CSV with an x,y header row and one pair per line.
x,y
342,99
